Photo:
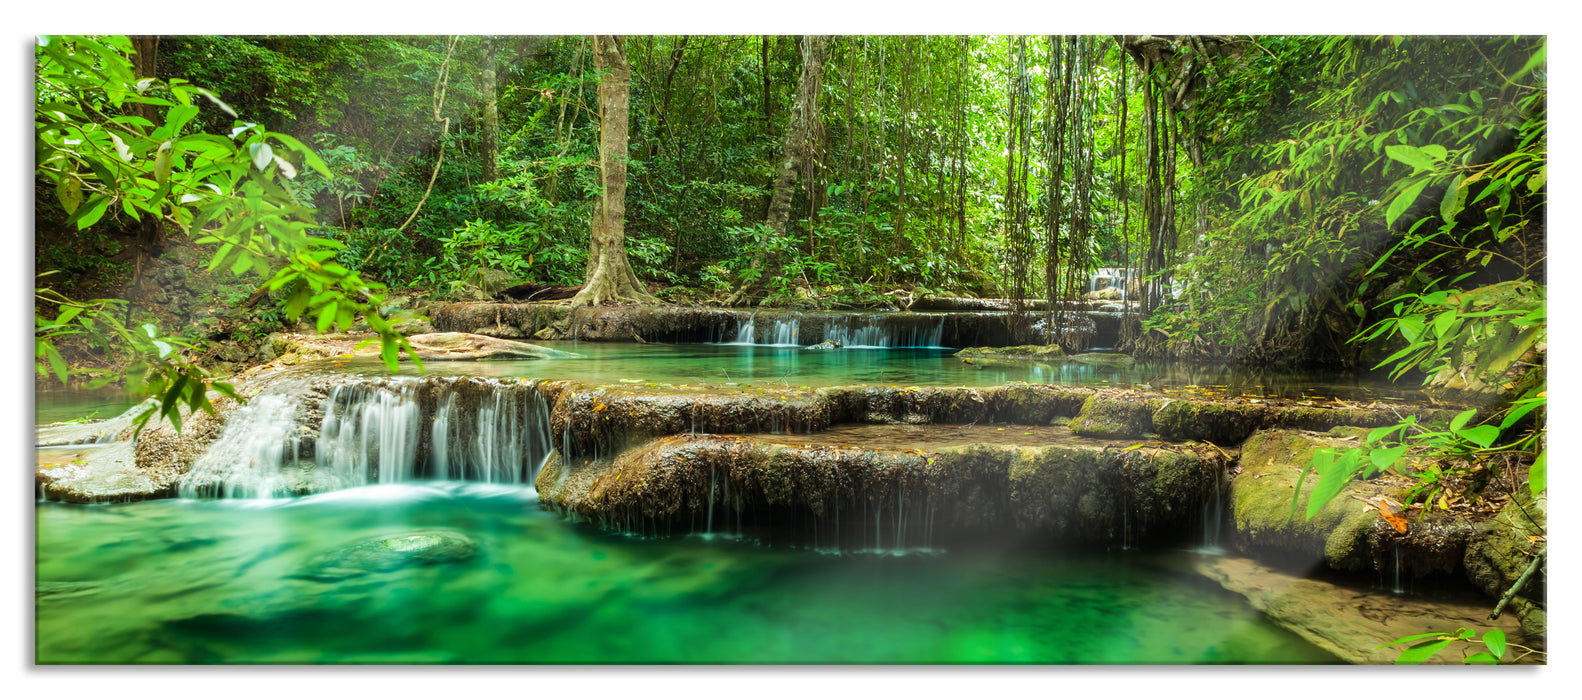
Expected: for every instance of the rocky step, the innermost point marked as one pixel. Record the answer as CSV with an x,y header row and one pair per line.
x,y
815,490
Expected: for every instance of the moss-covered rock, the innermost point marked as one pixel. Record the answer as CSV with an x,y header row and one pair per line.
x,y
1115,416
1208,421
1261,495
1086,494
1504,547
389,553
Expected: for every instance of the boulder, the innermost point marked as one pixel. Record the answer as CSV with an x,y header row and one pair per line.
x,y
1503,549
1337,535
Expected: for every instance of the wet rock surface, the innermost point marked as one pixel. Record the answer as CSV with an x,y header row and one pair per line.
x,y
1065,490
1350,622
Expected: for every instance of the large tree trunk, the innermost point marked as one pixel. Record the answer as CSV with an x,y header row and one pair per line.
x,y
610,276
491,113
799,131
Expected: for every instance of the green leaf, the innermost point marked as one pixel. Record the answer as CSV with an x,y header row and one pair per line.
x,y
1462,418
1385,458
1481,657
1482,436
1411,638
1455,200
164,348
1411,155
1418,653
1538,474
1403,201
1495,641
90,214
56,363
1331,479
69,192
262,155
326,316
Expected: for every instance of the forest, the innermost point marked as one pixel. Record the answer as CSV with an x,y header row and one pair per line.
x,y
1355,205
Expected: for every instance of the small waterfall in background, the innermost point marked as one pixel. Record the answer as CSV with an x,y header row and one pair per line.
x,y
786,333
377,432
887,331
745,333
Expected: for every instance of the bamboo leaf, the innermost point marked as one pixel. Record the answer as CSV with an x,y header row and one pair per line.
x,y
1538,474
1403,201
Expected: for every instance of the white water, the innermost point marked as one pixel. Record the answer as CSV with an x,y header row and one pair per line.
x,y
249,457
371,434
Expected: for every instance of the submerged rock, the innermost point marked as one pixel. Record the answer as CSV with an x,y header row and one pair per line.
x,y
389,553
1104,359
1015,353
1350,622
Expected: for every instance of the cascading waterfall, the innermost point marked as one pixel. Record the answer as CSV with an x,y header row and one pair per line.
x,y
374,432
745,333
370,434
871,332
253,454
786,333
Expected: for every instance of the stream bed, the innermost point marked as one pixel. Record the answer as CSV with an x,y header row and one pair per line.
x,y
242,581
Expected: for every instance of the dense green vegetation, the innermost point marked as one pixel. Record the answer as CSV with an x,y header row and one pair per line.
x,y
1340,201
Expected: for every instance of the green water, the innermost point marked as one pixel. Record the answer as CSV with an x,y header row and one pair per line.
x,y
183,581
51,406
723,365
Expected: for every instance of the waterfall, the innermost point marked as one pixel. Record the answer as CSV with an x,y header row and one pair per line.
x,y
251,457
887,331
374,432
369,435
744,333
786,332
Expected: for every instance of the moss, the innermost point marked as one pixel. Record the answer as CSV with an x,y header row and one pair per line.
x,y
1503,548
1219,423
1034,404
1261,497
1067,492
1113,417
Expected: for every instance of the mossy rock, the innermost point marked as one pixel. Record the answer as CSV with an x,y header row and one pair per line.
x,y
1337,535
1219,423
1502,550
1114,417
1104,359
1016,353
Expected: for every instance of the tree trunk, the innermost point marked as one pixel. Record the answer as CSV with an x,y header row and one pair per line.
x,y
610,277
491,114
799,130
151,228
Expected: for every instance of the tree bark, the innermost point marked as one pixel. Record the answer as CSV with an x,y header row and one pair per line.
x,y
610,276
151,229
491,114
799,130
